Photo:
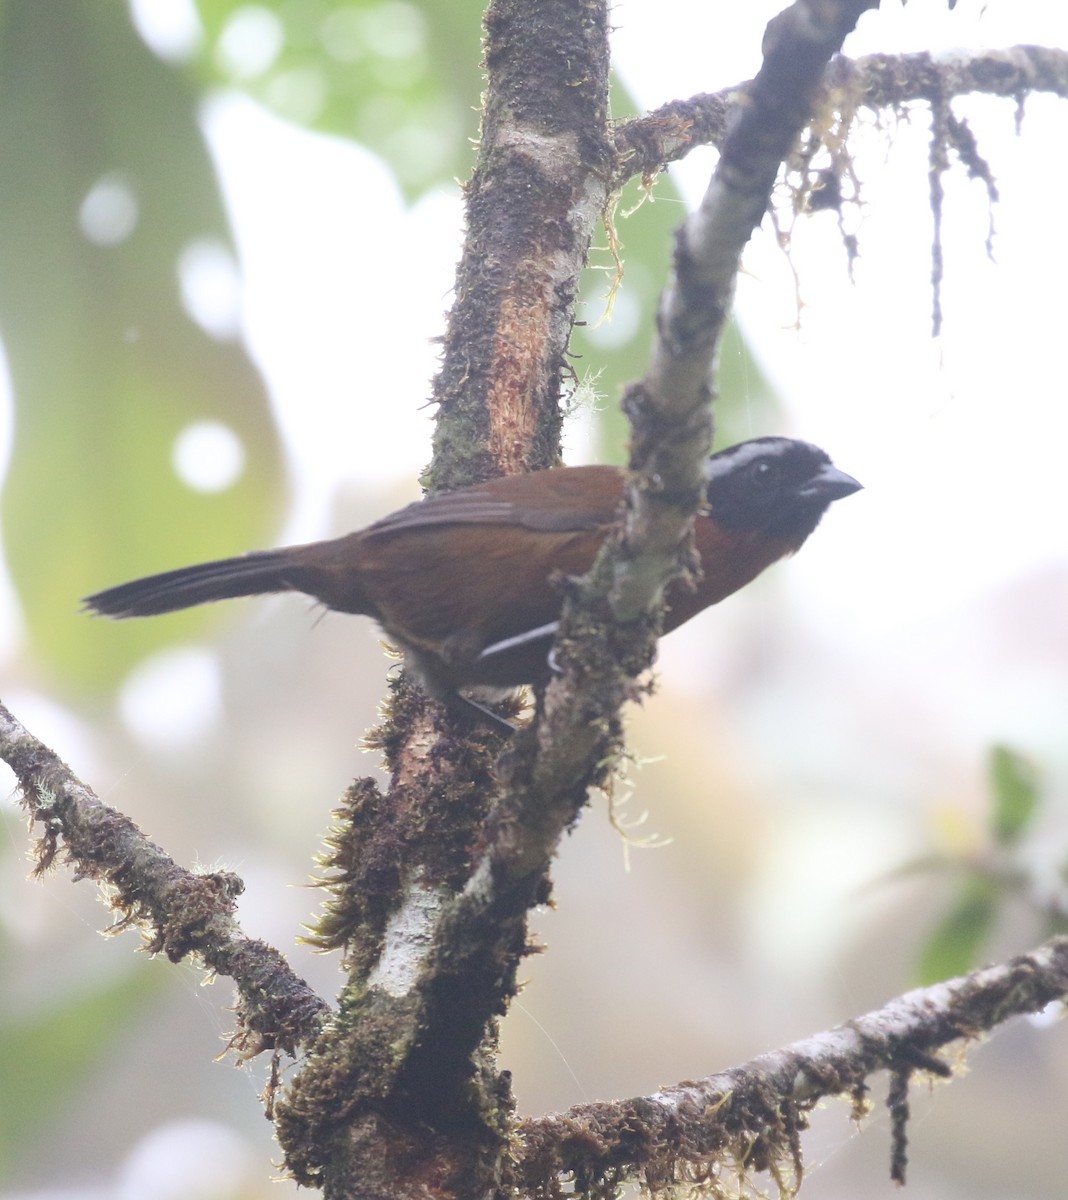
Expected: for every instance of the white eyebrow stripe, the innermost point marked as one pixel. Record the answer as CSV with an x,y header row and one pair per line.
x,y
736,457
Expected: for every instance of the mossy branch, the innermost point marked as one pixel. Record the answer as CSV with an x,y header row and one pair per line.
x,y
750,1118
179,912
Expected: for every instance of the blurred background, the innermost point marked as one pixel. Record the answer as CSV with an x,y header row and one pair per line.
x,y
227,238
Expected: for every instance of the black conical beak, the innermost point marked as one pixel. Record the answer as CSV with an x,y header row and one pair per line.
x,y
830,484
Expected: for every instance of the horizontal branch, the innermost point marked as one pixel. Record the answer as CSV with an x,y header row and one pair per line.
x,y
179,912
670,132
751,1116
881,80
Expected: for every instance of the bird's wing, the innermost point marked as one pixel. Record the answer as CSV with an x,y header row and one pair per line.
x,y
578,498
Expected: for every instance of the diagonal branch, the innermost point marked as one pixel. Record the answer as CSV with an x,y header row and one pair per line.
x,y
179,912
750,1117
468,958
546,777
670,409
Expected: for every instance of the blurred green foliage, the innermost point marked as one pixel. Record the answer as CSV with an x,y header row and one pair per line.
x,y
106,186
955,945
1001,873
52,1048
400,78
403,79
1014,787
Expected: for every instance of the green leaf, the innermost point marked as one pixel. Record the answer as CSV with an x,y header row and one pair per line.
x,y
107,366
1014,792
955,944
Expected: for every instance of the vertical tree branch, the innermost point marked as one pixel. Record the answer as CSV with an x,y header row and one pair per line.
x,y
431,972
401,1050
670,409
538,190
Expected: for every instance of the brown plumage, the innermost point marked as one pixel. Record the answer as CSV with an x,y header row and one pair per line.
x,y
452,577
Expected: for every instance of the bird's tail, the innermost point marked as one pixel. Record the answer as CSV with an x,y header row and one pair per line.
x,y
250,575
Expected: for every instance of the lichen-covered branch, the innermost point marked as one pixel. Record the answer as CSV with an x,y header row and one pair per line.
x,y
883,80
750,1118
178,912
875,81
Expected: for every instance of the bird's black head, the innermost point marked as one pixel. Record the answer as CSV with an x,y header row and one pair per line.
x,y
774,485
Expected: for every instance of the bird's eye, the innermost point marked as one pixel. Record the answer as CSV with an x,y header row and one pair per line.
x,y
765,473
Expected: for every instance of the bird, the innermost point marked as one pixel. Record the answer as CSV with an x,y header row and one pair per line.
x,y
467,583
